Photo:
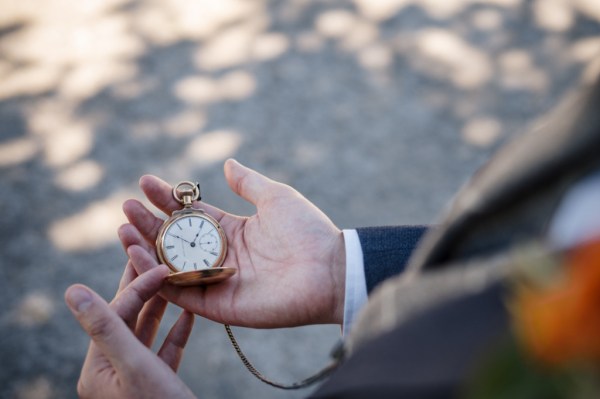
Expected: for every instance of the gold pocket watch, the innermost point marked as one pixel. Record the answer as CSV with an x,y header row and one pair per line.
x,y
192,243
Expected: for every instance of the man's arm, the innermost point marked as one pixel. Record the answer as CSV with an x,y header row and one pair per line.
x,y
374,254
386,250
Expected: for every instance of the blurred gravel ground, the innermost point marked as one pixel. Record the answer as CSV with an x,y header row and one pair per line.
x,y
378,111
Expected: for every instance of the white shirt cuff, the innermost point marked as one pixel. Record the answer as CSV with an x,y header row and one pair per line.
x,y
356,286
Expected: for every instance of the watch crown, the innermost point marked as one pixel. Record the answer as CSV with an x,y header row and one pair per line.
x,y
186,193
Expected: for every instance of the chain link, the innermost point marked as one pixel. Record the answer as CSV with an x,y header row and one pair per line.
x,y
296,385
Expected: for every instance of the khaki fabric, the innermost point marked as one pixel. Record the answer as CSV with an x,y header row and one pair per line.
x,y
507,205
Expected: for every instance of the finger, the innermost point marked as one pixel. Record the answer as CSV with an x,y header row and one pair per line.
x,y
143,262
160,193
149,320
94,357
140,258
144,220
129,274
130,235
171,350
247,183
129,302
107,330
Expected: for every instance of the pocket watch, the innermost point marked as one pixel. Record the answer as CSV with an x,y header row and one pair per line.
x,y
192,243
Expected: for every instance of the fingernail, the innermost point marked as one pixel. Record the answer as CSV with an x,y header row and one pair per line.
x,y
79,299
235,161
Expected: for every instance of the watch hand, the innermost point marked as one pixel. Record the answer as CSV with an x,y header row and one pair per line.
x,y
194,240
181,238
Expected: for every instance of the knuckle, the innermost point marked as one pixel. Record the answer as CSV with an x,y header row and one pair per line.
x,y
82,389
100,328
242,184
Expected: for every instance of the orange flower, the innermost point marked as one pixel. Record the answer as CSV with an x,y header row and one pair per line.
x,y
560,324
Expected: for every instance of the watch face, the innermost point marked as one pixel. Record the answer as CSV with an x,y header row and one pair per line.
x,y
192,242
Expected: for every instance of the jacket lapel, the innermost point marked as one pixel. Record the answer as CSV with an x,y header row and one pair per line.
x,y
526,179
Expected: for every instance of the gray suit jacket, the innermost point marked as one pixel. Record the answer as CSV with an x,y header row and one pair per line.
x,y
423,331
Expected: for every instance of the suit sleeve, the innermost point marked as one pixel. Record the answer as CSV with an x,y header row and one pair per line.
x,y
430,355
386,250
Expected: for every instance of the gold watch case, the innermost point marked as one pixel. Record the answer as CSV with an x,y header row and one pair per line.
x,y
185,193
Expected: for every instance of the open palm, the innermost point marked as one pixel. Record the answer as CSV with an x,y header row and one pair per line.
x,y
289,256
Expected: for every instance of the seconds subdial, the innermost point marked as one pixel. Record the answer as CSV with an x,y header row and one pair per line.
x,y
209,242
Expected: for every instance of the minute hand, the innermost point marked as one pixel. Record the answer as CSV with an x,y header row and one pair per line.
x,y
181,238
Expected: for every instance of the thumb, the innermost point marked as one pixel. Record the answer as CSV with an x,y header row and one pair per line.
x,y
248,183
107,330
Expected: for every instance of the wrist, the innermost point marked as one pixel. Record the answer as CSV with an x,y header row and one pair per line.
x,y
338,277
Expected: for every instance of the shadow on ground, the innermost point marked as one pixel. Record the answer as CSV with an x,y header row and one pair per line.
x,y
376,111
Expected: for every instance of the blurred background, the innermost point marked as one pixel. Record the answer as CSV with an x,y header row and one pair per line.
x,y
376,110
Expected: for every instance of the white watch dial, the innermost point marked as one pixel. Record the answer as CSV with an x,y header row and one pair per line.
x,y
192,243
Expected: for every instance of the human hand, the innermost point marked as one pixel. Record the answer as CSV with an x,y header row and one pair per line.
x,y
119,363
289,256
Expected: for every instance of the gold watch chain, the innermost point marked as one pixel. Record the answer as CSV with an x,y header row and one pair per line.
x,y
296,385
